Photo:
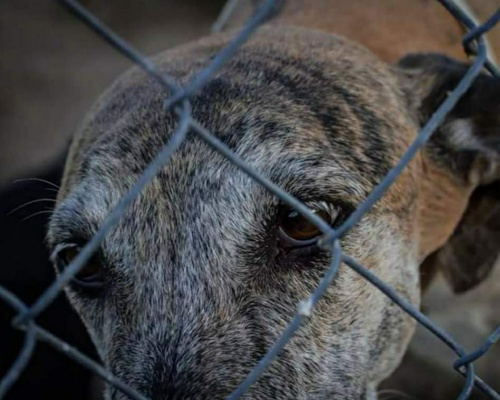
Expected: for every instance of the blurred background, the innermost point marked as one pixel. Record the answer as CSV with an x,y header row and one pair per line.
x,y
52,68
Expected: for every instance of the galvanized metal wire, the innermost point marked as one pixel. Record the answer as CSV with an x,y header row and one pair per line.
x,y
177,100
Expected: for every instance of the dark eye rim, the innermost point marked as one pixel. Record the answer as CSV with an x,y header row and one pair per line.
x,y
94,283
291,242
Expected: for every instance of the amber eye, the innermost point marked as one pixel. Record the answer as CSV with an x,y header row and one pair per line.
x,y
90,276
295,230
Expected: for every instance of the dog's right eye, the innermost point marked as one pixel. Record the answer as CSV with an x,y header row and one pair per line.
x,y
297,231
90,277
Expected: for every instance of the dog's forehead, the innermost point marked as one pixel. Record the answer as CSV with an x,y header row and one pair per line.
x,y
304,109
283,78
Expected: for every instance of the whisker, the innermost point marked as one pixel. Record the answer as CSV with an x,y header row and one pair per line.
x,y
30,202
37,213
37,180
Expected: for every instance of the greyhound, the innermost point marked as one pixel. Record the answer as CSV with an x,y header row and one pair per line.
x,y
206,268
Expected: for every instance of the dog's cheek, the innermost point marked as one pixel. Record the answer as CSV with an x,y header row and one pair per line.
x,y
392,257
100,317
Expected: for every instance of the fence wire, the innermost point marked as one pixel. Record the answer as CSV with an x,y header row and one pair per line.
x,y
177,100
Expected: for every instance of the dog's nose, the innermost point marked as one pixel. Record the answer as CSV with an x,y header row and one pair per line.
x,y
164,386
165,383
202,369
170,388
166,389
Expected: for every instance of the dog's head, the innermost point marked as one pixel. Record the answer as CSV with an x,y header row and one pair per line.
x,y
206,268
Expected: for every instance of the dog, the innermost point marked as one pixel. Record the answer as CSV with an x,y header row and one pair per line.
x,y
206,268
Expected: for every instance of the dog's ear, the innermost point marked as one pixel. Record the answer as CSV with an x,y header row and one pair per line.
x,y
460,196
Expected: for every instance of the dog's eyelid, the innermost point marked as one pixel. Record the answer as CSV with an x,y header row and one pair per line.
x,y
336,208
56,250
69,224
68,243
331,209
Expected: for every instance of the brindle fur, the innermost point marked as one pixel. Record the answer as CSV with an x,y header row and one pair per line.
x,y
198,286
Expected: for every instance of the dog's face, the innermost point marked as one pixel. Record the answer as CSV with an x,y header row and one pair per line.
x,y
206,268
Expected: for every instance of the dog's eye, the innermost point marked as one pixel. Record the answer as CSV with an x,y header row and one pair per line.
x,y
90,276
297,231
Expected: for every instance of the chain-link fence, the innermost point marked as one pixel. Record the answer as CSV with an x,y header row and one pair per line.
x,y
178,102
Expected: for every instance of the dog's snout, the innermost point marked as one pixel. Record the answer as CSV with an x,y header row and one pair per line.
x,y
201,355
164,384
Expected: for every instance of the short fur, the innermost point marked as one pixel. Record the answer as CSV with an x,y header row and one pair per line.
x,y
197,283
